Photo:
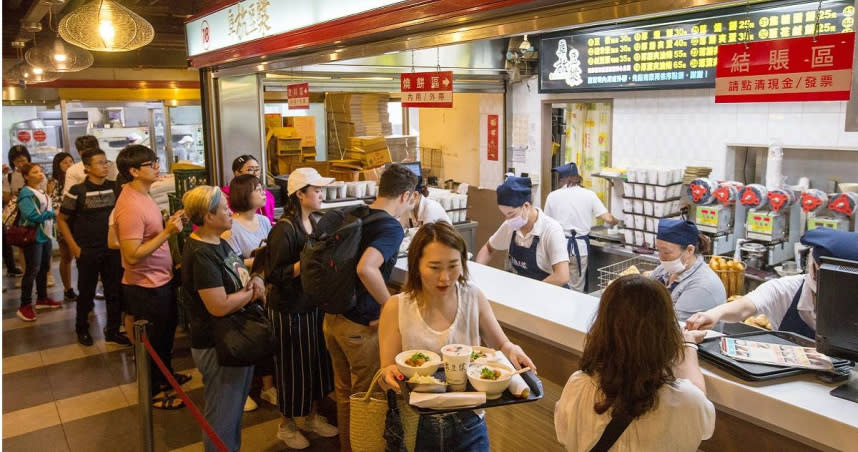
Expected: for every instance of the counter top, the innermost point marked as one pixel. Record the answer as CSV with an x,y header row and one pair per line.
x,y
798,407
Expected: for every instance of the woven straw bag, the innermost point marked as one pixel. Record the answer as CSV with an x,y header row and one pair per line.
x,y
367,419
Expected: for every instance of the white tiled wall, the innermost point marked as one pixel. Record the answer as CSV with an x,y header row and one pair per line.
x,y
686,127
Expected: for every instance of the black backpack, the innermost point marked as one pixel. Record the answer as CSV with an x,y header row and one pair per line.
x,y
330,256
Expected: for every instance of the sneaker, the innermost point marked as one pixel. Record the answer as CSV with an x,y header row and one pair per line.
x,y
26,313
290,435
15,272
250,404
317,424
51,282
269,395
99,292
69,296
117,339
83,338
48,303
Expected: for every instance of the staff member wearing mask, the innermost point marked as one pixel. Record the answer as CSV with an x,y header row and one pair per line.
x,y
788,302
693,286
574,207
424,210
536,244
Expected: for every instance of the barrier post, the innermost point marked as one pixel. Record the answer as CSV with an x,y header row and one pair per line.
x,y
144,387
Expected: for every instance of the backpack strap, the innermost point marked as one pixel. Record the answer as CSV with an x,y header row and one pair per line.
x,y
612,433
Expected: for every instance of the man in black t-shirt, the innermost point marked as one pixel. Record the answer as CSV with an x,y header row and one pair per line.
x,y
352,338
83,221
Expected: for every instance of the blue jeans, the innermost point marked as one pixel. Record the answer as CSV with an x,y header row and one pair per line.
x,y
37,258
462,431
225,390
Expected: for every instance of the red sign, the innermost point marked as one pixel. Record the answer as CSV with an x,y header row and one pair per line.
x,y
40,136
23,136
786,70
492,148
427,89
298,96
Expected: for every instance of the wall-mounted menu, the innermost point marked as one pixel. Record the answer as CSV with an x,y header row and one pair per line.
x,y
675,52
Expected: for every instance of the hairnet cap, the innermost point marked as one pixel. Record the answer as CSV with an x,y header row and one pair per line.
x,y
569,169
514,192
680,232
833,243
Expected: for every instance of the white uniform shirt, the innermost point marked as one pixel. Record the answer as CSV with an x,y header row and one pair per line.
x,y
76,174
428,211
552,243
774,297
681,419
574,208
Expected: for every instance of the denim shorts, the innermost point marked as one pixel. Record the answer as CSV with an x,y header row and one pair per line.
x,y
462,431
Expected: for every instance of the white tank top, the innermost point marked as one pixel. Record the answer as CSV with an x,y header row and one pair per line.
x,y
465,328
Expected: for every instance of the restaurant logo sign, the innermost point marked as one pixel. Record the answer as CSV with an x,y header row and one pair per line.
x,y
427,89
786,70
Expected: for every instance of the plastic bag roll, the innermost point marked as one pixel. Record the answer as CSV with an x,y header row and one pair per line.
x,y
517,386
774,166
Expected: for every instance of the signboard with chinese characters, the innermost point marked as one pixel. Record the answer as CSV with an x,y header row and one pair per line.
x,y
675,52
492,145
298,96
427,89
786,70
253,19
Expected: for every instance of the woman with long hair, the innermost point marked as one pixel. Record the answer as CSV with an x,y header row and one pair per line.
x,y
62,162
12,183
638,370
36,211
303,366
439,306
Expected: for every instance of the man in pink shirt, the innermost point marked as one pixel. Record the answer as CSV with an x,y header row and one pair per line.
x,y
147,282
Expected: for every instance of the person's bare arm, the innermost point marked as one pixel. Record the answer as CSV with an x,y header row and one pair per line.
x,y
688,367
135,250
608,218
219,304
485,254
732,312
559,274
369,272
389,344
112,237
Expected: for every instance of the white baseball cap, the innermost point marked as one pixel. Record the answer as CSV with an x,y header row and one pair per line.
x,y
186,139
303,177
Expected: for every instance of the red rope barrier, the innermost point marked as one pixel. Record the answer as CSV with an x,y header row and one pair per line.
x,y
195,412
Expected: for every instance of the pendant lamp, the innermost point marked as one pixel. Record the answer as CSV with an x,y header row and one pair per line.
x,y
59,56
24,73
106,26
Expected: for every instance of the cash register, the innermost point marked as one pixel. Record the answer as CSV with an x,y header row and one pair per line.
x,y
837,317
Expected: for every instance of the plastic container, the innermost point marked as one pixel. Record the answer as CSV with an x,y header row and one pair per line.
x,y
640,190
628,205
665,176
650,191
637,206
629,236
628,189
652,176
649,240
651,225
640,222
639,238
648,208
632,175
660,193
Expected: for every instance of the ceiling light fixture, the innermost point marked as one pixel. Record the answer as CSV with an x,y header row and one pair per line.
x,y
106,26
59,56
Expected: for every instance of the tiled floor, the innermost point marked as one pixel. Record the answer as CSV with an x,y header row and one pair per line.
x,y
61,396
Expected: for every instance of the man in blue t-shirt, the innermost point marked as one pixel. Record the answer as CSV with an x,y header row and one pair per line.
x,y
352,338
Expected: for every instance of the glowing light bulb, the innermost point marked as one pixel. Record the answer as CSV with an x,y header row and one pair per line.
x,y
106,31
60,57
37,70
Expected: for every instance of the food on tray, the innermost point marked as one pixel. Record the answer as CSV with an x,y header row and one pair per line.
x,y
477,354
425,380
760,321
633,270
416,360
489,374
731,272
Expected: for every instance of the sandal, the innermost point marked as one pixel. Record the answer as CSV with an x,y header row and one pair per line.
x,y
182,378
168,402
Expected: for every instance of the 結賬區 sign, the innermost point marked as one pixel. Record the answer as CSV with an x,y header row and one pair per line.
x,y
427,89
298,96
786,70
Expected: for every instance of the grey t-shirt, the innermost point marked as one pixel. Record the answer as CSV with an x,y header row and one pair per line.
x,y
697,289
243,241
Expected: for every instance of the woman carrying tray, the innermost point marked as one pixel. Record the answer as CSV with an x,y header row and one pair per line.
x,y
439,306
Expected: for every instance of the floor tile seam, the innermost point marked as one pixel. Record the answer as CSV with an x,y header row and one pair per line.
x,y
102,351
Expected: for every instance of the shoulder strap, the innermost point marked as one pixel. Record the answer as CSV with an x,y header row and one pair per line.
x,y
612,433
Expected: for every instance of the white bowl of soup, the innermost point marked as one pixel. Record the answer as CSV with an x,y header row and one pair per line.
x,y
491,378
418,362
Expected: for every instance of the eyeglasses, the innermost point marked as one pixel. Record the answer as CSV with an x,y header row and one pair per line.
x,y
154,164
253,170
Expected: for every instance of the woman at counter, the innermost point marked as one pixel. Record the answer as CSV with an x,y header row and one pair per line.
x,y
438,307
247,164
536,243
639,387
788,302
693,286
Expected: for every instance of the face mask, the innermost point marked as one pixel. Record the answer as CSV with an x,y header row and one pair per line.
x,y
517,222
674,266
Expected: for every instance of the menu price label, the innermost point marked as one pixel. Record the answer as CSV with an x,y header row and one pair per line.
x,y
677,52
786,70
492,137
298,96
427,89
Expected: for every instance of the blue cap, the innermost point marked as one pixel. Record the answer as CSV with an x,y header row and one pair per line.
x,y
680,232
514,191
569,169
833,243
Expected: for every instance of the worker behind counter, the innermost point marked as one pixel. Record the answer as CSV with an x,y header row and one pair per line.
x,y
536,244
423,209
574,207
789,302
693,286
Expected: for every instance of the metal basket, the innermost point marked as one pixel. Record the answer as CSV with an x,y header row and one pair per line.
x,y
613,271
189,178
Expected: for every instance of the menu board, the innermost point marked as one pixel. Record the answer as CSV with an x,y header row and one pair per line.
x,y
675,52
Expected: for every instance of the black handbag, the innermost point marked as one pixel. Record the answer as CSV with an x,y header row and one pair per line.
x,y
244,337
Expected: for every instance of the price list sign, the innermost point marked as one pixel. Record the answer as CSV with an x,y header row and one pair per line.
x,y
679,53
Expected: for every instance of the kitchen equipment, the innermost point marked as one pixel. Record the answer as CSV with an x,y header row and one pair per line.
x,y
754,255
700,191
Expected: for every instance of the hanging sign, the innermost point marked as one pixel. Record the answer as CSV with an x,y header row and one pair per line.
x,y
40,136
298,96
786,70
23,136
492,148
427,89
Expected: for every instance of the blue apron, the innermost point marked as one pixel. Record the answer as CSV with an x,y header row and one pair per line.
x,y
793,322
572,246
523,260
